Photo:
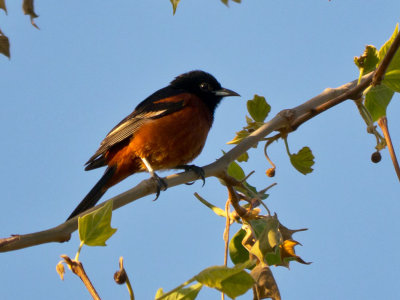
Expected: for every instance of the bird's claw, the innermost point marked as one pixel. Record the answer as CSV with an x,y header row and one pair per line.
x,y
198,170
160,184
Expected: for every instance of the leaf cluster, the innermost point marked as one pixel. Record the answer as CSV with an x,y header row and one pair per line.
x,y
377,98
258,108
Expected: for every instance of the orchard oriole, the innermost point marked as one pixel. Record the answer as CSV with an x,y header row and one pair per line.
x,y
165,131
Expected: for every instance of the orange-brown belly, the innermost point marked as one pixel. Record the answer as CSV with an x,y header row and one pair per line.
x,y
167,142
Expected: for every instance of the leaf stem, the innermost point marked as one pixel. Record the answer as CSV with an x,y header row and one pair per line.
x,y
287,146
266,155
130,290
226,231
177,288
380,143
79,250
226,237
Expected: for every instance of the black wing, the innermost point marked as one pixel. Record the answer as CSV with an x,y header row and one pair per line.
x,y
149,109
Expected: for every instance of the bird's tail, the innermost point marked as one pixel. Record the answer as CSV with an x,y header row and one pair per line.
x,y
95,193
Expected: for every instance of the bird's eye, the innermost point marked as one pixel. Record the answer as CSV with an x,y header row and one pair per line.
x,y
205,87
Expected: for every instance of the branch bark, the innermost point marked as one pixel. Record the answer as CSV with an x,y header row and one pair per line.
x,y
289,120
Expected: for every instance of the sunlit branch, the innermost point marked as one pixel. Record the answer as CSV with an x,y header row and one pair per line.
x,y
288,120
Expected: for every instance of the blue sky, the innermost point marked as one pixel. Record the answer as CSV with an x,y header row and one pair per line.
x,y
91,62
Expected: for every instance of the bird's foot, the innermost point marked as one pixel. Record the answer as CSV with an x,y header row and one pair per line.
x,y
198,170
160,184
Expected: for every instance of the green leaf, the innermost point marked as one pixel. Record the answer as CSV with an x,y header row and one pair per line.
x,y
188,293
174,5
268,239
377,99
368,61
237,284
395,62
95,228
159,293
388,43
252,125
254,191
236,171
371,60
243,158
237,252
303,160
258,226
274,258
218,211
392,80
231,281
240,135
258,108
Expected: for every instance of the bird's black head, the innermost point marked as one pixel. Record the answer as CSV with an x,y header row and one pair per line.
x,y
204,85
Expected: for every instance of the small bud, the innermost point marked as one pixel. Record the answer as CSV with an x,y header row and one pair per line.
x,y
60,270
270,172
376,157
120,276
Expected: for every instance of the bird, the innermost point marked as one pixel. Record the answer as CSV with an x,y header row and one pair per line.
x,y
167,130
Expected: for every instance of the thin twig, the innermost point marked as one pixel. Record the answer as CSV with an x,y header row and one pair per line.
x,y
234,199
226,231
266,207
226,236
383,124
268,187
77,268
248,176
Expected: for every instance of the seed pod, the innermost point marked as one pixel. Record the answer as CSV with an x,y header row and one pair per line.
x,y
270,172
376,157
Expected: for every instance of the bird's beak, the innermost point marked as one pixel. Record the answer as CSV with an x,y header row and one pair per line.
x,y
225,92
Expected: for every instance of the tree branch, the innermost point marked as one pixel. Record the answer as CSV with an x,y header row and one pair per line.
x,y
383,124
287,119
291,118
77,268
